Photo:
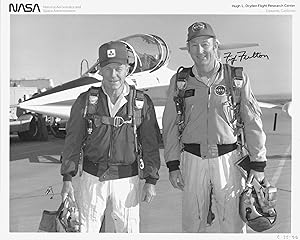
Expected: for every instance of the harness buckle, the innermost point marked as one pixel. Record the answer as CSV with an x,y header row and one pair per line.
x,y
118,121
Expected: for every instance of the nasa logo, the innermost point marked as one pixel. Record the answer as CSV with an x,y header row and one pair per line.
x,y
198,26
28,7
220,90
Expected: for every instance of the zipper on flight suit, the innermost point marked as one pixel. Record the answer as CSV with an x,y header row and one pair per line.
x,y
208,107
208,151
208,104
110,142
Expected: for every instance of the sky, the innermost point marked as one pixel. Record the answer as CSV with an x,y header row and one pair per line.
x,y
52,46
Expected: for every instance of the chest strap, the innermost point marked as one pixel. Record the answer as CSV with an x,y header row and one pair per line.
x,y
116,121
134,108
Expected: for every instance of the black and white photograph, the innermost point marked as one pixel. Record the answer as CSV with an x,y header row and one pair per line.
x,y
177,123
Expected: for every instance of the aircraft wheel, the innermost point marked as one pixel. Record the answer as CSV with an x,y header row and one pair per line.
x,y
54,128
32,133
22,136
42,129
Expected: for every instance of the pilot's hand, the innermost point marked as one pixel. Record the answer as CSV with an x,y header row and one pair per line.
x,y
67,191
148,192
259,176
176,179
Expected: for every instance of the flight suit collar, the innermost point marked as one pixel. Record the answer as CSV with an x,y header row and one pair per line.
x,y
218,73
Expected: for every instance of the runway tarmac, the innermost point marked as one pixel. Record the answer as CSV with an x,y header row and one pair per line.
x,y
34,167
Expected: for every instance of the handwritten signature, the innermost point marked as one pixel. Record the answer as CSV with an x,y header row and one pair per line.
x,y
242,55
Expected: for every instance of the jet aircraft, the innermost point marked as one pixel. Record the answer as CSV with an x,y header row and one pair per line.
x,y
148,59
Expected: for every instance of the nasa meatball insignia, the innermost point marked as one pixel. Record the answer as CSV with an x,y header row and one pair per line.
x,y
220,90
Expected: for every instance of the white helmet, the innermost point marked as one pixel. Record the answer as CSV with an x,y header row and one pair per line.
x,y
68,217
257,206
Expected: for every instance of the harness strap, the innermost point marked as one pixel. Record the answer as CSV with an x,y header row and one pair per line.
x,y
181,78
233,75
138,106
236,76
233,78
89,109
116,121
136,103
131,98
91,102
236,80
180,87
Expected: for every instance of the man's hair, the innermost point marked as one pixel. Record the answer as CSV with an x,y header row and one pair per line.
x,y
215,42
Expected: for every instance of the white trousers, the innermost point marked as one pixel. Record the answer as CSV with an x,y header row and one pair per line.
x,y
92,197
226,181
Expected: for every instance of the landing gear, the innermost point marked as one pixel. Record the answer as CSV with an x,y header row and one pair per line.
x,y
37,130
57,127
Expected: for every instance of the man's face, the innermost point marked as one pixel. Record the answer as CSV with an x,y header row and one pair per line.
x,y
203,50
114,75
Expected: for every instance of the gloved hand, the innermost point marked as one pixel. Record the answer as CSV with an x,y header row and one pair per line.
x,y
68,216
265,193
148,192
259,176
67,191
176,179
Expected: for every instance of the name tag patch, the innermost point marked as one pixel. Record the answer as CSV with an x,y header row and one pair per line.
x,y
189,93
220,90
238,83
139,104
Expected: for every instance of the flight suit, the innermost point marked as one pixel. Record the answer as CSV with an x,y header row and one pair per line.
x,y
209,147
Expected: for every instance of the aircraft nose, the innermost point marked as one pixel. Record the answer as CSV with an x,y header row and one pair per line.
x,y
288,108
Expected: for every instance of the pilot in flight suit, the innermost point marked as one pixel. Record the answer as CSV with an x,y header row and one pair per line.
x,y
209,137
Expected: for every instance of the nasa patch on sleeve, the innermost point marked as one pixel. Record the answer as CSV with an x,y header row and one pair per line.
x,y
220,90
